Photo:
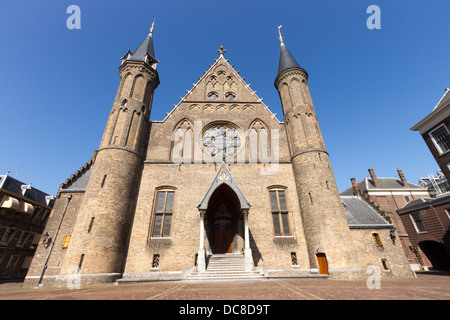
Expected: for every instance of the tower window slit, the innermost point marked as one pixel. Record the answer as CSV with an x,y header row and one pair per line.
x,y
103,181
81,262
385,264
155,262
91,224
294,259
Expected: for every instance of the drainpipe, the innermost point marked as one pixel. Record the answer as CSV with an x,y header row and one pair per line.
x,y
39,284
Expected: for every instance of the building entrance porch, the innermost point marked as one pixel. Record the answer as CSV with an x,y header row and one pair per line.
x,y
224,220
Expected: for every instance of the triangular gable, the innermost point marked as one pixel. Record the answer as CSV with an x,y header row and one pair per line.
x,y
224,176
222,78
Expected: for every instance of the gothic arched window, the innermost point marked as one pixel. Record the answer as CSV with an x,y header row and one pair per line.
x,y
259,142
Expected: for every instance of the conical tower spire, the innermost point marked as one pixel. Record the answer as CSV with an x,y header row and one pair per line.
x,y
320,205
286,61
146,51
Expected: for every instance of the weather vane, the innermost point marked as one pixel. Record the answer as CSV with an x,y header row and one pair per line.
x,y
153,25
279,33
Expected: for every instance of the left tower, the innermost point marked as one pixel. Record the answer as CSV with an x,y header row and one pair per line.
x,y
100,235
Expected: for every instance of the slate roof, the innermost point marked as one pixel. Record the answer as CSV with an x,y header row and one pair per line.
x,y
360,215
423,203
286,60
80,184
13,185
145,48
385,183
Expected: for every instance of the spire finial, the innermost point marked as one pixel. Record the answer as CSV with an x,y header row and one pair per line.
x,y
279,34
221,50
153,25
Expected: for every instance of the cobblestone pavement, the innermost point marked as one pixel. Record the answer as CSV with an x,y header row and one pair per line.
x,y
430,286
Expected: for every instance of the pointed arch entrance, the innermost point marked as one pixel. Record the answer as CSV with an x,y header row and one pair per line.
x,y
222,209
224,219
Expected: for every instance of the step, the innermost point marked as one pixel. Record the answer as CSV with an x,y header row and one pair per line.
x,y
206,276
225,267
224,272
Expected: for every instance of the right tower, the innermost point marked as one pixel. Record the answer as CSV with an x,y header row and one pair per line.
x,y
325,226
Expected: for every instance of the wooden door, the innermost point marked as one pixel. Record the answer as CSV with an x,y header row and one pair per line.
x,y
323,264
223,236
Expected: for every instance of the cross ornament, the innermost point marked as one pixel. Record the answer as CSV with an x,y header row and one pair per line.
x,y
221,50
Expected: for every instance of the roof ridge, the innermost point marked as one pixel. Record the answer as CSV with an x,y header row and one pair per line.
x,y
447,90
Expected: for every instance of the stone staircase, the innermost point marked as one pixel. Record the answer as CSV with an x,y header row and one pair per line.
x,y
226,266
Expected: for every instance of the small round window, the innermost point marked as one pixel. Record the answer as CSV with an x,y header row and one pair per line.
x,y
213,96
230,96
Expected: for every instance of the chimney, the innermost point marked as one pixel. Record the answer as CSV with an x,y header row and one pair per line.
x,y
355,187
374,178
402,177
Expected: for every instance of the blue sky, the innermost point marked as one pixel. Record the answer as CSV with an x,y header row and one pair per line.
x,y
369,87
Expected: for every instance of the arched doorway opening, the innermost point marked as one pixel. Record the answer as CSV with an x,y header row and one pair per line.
x,y
436,253
225,206
224,223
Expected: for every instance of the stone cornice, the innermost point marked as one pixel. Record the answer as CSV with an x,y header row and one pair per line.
x,y
290,72
141,67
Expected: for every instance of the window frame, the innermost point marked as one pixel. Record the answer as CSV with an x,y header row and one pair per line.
x,y
418,222
377,240
447,211
213,93
436,144
7,237
232,94
278,214
163,214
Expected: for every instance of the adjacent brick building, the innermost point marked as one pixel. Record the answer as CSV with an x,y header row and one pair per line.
x,y
427,220
434,129
388,194
24,211
220,176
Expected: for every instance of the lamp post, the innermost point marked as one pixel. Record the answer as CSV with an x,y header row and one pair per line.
x,y
46,240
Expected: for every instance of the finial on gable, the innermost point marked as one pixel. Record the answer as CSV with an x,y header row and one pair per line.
x,y
221,50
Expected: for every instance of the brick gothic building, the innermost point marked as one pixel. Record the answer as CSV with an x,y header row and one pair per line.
x,y
219,179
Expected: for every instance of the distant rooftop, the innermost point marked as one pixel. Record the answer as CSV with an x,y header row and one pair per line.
x,y
385,183
374,183
360,215
24,190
